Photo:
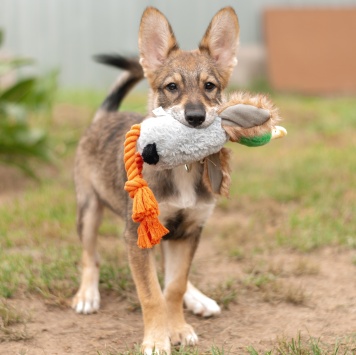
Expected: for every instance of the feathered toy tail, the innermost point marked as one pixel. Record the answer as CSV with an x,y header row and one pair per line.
x,y
145,207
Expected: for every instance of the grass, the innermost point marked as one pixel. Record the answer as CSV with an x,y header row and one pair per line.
x,y
93,98
273,289
39,249
303,173
224,293
305,267
296,194
214,350
302,345
10,317
280,291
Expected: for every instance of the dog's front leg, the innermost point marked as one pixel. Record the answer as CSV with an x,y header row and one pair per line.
x,y
154,310
178,255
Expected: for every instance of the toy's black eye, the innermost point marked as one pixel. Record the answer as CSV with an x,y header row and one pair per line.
x,y
209,86
172,87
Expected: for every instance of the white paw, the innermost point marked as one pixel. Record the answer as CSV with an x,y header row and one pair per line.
x,y
200,304
87,299
191,339
183,335
156,348
154,351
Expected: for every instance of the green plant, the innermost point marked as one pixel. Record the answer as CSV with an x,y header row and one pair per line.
x,y
19,101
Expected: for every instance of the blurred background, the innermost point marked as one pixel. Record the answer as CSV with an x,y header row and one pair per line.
x,y
299,45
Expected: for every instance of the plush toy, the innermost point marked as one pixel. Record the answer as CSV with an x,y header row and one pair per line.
x,y
165,143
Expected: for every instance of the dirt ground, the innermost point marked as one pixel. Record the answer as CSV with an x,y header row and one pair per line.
x,y
329,312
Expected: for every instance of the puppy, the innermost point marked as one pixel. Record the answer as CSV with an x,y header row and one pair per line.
x,y
191,84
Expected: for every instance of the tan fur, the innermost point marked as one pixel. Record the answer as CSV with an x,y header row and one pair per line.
x,y
221,35
162,37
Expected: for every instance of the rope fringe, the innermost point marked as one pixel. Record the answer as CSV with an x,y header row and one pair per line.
x,y
145,206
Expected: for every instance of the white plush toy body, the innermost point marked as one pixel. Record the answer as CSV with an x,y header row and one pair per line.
x,y
166,142
177,144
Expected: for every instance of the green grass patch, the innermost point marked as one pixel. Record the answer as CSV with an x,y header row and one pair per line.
x,y
92,99
44,213
310,173
302,345
39,248
49,271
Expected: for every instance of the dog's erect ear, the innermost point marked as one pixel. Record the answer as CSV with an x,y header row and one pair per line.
x,y
156,40
221,38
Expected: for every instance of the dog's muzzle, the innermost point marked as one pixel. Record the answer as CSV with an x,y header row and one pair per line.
x,y
194,114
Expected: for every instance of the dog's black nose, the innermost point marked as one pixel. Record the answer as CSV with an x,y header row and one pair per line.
x,y
195,114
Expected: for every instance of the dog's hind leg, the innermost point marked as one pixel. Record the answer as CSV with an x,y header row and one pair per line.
x,y
178,255
87,299
200,304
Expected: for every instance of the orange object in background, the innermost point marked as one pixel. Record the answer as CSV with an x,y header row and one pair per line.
x,y
311,51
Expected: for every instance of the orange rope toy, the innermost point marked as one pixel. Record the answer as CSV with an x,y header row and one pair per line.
x,y
145,207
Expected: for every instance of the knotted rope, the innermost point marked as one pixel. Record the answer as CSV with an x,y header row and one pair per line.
x,y
145,207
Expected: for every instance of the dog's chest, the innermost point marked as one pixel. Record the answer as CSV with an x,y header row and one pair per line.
x,y
184,182
185,210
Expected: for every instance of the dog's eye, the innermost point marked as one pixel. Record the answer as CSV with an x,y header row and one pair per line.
x,y
172,87
209,86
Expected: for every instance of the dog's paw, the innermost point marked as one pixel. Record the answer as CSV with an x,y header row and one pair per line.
x,y
199,304
183,335
86,303
160,347
87,300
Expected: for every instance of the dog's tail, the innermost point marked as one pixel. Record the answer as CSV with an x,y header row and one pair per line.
x,y
132,74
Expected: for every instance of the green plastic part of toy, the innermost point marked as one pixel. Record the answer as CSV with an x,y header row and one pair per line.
x,y
256,141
